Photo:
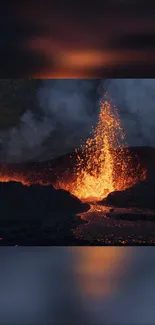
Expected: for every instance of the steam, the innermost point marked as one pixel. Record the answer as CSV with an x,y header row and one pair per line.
x,y
70,105
66,111
135,99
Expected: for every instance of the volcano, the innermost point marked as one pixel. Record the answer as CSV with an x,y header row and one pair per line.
x,y
104,181
34,212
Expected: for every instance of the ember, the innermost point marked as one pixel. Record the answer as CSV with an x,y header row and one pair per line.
x,y
104,163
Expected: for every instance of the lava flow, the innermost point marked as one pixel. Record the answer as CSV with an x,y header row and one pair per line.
x,y
104,163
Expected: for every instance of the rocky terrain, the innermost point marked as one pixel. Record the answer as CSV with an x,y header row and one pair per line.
x,y
42,215
37,215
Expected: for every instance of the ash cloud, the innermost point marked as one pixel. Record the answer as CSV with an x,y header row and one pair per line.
x,y
135,99
66,111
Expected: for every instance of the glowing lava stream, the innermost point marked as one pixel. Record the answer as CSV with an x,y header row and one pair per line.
x,y
103,164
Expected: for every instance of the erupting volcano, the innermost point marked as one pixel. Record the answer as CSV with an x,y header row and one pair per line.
x,y
104,163
104,173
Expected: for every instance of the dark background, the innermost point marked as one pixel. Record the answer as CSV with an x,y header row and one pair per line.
x,y
62,39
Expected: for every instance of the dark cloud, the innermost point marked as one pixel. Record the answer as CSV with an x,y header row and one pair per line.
x,y
44,119
135,99
59,39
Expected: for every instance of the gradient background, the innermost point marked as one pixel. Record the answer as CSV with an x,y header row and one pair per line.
x,y
81,39
93,285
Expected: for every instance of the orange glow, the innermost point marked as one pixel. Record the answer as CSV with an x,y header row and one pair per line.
x,y
82,59
99,269
14,178
104,164
28,179
70,61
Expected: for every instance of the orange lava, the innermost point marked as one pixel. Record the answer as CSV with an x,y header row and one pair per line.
x,y
28,178
14,178
104,164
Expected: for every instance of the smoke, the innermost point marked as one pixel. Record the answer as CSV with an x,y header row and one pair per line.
x,y
66,111
71,106
25,142
135,99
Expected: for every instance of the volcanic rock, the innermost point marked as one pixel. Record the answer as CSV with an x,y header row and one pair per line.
x,y
36,202
141,195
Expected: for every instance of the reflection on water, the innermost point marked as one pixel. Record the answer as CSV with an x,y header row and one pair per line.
x,y
118,283
87,285
99,270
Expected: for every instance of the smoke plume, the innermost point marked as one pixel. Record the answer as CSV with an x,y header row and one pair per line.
x,y
66,111
135,99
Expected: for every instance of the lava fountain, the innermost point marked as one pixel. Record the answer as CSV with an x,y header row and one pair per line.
x,y
104,163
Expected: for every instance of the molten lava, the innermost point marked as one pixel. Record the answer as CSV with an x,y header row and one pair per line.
x,y
103,164
14,178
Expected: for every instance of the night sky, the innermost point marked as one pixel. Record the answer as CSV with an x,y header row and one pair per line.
x,y
44,119
66,39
